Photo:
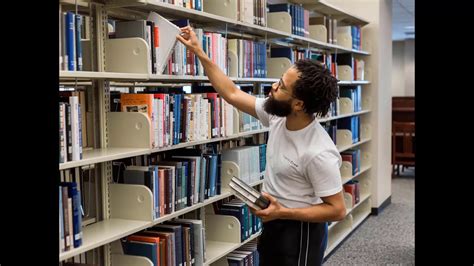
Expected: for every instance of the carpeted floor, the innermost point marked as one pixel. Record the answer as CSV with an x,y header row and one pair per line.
x,y
385,239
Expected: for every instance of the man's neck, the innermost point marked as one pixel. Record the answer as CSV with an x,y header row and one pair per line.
x,y
297,121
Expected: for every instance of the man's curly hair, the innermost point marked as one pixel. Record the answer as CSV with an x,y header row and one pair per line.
x,y
316,87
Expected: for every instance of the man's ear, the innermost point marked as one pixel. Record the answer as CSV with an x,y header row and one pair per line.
x,y
299,105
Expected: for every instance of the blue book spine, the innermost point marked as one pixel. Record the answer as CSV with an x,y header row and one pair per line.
x,y
293,19
263,59
79,21
358,128
61,219
213,175
298,20
179,184
354,129
154,170
76,212
353,35
176,118
148,250
70,41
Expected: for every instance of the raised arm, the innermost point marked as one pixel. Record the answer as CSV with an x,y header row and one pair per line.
x,y
223,85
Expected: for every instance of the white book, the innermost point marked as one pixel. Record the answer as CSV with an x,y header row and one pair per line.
x,y
62,134
203,120
161,134
167,121
194,117
249,193
189,111
76,147
200,33
73,26
168,32
243,195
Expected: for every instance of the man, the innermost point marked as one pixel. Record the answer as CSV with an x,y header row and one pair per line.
x,y
302,179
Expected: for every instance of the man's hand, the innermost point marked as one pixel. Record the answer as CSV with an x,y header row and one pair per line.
x,y
272,212
189,39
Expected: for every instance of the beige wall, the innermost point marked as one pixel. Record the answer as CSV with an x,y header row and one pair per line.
x,y
403,68
398,69
377,39
410,68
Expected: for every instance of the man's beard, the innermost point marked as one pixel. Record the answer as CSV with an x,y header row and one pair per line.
x,y
276,107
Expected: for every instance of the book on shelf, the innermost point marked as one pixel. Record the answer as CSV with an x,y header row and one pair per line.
x,y
166,44
168,252
72,217
138,248
177,231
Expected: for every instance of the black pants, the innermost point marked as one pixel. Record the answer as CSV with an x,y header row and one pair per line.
x,y
292,243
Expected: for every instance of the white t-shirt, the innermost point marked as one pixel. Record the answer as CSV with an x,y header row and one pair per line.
x,y
302,165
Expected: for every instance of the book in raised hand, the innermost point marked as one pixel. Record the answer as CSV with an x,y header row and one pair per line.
x,y
248,194
167,39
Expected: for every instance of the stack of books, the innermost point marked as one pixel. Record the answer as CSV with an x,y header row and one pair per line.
x,y
252,197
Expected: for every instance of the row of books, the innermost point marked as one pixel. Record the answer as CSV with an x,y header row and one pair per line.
x,y
184,62
352,92
176,242
247,59
74,29
351,123
352,187
184,178
250,159
235,57
249,224
70,130
70,216
330,24
178,117
191,4
246,255
299,17
355,94
355,33
247,11
357,65
354,157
